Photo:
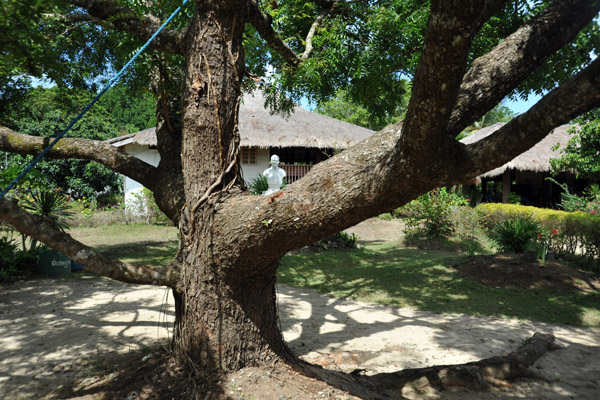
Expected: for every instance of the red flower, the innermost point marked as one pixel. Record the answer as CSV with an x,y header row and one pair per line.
x,y
539,235
592,212
554,232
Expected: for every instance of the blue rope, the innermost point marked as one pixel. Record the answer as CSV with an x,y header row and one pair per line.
x,y
86,109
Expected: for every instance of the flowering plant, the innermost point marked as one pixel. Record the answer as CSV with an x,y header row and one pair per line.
x,y
542,243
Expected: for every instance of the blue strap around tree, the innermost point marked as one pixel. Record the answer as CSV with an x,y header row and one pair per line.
x,y
114,80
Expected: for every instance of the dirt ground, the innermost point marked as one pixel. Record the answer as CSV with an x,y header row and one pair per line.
x,y
90,338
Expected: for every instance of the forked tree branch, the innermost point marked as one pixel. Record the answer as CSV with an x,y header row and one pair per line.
x,y
45,231
85,149
450,32
127,20
579,94
263,24
329,7
497,73
370,178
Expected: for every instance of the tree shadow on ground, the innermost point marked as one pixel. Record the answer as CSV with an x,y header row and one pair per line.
x,y
428,281
142,252
346,335
54,330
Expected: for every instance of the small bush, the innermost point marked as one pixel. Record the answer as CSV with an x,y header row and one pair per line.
x,y
340,240
589,202
14,262
431,214
386,216
259,184
109,200
467,228
143,209
516,234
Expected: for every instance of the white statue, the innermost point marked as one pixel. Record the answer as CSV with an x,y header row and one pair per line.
x,y
274,176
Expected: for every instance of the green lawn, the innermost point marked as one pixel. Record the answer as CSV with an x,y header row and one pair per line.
x,y
137,244
392,275
387,273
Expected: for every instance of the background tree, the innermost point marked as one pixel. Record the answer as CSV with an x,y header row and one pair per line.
x,y
45,112
340,107
581,154
500,113
463,60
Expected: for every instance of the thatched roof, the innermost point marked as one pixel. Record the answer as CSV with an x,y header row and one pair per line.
x,y
536,159
261,129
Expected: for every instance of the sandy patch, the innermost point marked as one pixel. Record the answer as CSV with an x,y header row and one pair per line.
x,y
51,331
375,230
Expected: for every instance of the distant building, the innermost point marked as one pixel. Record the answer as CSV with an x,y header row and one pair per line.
x,y
525,175
301,140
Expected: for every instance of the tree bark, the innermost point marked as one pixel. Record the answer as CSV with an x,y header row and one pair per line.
x,y
218,302
224,274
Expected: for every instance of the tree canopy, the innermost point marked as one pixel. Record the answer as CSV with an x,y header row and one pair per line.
x,y
463,58
582,152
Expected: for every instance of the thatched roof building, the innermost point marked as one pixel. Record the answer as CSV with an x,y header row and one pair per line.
x,y
525,174
536,159
259,128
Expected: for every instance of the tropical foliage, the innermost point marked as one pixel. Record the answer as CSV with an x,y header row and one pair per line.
x,y
581,152
46,112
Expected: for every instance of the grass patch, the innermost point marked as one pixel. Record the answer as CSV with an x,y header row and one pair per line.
x,y
136,244
385,273
401,277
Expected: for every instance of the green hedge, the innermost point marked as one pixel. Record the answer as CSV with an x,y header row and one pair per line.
x,y
577,232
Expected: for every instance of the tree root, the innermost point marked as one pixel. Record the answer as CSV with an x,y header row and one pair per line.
x,y
481,375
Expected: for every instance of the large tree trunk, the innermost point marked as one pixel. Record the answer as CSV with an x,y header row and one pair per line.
x,y
226,321
226,316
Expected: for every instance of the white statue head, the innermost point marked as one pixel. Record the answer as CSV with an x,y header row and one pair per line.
x,y
274,160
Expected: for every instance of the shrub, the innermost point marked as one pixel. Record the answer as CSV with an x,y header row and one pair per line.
x,y
386,216
109,200
15,262
431,213
577,233
144,209
590,202
259,184
340,240
516,234
48,203
467,228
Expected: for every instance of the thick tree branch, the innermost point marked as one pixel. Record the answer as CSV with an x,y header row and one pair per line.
x,y
579,94
479,376
337,193
263,24
127,20
362,181
497,73
450,32
45,231
85,149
